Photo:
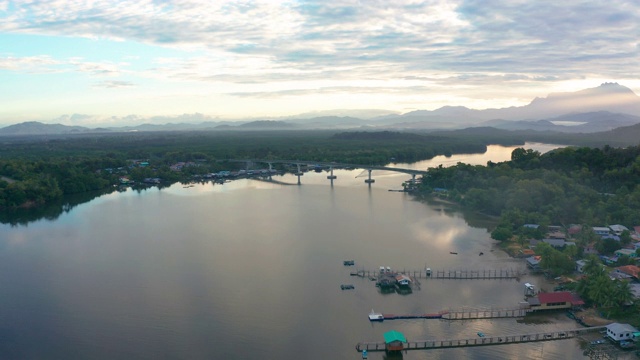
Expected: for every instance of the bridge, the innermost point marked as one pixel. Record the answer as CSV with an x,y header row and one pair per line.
x,y
331,166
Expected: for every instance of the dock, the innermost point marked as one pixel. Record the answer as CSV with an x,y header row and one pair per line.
x,y
470,314
410,316
487,274
465,314
482,341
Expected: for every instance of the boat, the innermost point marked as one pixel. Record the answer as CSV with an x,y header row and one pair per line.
x,y
347,287
349,262
481,253
481,334
374,316
598,342
453,253
365,354
626,344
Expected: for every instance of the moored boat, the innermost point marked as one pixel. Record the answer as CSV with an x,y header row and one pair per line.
x,y
374,316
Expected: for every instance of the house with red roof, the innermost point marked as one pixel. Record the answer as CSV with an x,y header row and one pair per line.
x,y
630,270
555,300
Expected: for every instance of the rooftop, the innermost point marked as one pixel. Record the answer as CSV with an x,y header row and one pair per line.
x,y
558,297
393,335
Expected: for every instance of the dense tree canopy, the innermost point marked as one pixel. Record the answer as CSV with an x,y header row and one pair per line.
x,y
565,186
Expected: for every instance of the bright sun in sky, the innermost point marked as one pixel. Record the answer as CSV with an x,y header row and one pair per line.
x,y
114,62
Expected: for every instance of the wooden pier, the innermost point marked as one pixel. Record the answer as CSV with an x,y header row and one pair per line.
x,y
465,314
482,341
486,274
470,314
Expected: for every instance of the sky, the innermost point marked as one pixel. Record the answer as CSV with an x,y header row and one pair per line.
x,y
109,62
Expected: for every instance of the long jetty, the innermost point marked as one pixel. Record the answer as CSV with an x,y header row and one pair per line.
x,y
449,274
470,314
482,341
465,314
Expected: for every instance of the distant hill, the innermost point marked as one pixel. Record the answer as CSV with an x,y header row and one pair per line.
x,y
602,108
38,128
266,125
608,97
329,122
571,123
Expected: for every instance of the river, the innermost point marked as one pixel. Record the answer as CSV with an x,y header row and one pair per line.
x,y
252,270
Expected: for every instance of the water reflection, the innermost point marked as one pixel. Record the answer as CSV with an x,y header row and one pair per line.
x,y
249,269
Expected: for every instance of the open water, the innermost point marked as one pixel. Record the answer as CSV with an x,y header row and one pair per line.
x,y
252,270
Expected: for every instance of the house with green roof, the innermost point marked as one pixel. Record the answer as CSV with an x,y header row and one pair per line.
x,y
394,340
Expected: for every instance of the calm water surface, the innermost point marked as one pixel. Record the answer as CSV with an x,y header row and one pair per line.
x,y
252,270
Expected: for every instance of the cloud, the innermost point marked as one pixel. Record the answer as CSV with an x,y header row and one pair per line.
x,y
114,84
47,64
271,48
31,64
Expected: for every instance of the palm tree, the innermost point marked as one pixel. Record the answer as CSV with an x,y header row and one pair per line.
x,y
622,293
600,290
583,288
592,266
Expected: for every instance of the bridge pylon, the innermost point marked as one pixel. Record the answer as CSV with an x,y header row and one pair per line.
x,y
369,180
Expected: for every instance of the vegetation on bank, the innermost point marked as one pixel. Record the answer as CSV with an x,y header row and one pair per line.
x,y
583,187
588,186
46,168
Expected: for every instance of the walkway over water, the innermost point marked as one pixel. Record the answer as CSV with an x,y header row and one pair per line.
x,y
450,274
482,341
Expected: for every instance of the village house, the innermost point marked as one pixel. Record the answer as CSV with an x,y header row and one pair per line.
x,y
626,252
557,243
403,280
574,229
612,237
590,249
601,230
580,265
394,340
555,300
556,235
631,270
533,262
618,229
619,332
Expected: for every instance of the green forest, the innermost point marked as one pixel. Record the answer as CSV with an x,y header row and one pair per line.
x,y
41,170
571,185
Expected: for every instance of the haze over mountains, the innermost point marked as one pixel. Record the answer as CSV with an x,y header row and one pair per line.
x,y
603,108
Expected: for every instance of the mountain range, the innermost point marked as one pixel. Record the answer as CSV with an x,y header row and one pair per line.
x,y
603,108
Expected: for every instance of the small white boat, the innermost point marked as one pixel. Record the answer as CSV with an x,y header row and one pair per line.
x,y
374,316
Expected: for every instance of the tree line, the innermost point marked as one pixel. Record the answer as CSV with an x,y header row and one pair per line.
x,y
41,170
